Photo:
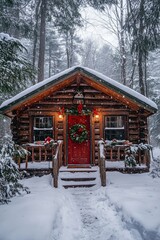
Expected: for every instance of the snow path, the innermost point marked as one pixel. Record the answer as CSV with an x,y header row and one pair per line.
x,y
100,219
128,208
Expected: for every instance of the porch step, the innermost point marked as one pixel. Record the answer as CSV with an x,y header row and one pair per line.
x,y
79,166
74,170
79,178
79,186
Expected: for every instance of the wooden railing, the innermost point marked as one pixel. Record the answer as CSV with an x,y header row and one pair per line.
x,y
144,157
57,163
101,163
38,152
138,153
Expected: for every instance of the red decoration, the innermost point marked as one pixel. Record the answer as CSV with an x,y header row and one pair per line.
x,y
47,140
61,111
95,112
80,130
80,108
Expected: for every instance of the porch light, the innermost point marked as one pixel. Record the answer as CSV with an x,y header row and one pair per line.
x,y
60,116
95,113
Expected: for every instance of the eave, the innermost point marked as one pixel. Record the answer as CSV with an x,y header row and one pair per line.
x,y
95,79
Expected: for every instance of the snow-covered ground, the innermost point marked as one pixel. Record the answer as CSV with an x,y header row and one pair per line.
x,y
128,208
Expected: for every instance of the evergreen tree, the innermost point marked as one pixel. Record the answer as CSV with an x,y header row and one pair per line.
x,y
55,52
72,46
9,173
15,70
66,16
15,18
143,25
153,82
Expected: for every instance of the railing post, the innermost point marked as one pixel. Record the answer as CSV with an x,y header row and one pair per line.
x,y
57,163
101,163
147,156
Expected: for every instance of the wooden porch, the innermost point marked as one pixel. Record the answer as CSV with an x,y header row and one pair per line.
x,y
46,159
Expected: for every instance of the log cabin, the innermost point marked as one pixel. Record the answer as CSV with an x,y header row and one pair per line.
x,y
79,106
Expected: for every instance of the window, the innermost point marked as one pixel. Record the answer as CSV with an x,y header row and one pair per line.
x,y
114,127
42,128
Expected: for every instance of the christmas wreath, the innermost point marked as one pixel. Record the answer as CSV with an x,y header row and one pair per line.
x,y
78,133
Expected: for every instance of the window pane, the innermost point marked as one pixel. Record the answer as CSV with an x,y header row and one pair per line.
x,y
43,122
114,134
40,135
43,127
114,121
114,127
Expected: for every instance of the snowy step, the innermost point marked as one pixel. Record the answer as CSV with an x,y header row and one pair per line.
x,y
73,170
78,179
81,177
79,186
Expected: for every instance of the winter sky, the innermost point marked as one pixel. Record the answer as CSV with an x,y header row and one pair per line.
x,y
93,28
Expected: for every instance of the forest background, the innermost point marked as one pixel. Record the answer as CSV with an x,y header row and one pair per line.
x,y
39,38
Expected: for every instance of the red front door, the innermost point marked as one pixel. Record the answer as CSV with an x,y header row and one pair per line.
x,y
79,153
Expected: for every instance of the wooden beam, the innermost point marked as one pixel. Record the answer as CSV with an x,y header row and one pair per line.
x,y
40,95
111,93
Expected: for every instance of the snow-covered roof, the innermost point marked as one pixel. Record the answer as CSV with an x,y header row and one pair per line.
x,y
99,77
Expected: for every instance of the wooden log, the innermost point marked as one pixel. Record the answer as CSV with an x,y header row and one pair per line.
x,y
101,163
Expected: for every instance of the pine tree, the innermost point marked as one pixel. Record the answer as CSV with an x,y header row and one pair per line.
x,y
15,69
153,82
9,173
143,25
66,16
15,19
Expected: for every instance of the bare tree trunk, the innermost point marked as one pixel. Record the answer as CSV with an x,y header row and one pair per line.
x,y
132,73
42,42
49,60
71,49
140,70
145,76
122,45
66,34
35,34
16,15
140,51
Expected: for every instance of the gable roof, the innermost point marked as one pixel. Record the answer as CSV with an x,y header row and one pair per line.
x,y
95,76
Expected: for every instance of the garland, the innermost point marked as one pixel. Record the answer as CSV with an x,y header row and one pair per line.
x,y
78,133
77,110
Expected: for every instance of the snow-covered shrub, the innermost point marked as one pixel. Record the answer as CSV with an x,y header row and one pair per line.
x,y
9,148
155,172
130,160
9,173
131,151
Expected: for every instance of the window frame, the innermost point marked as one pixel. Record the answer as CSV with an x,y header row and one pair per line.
x,y
125,116
41,129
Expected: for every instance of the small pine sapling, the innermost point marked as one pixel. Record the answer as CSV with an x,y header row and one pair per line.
x,y
130,160
9,173
131,151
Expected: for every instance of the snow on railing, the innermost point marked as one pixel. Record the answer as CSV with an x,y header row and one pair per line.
x,y
133,154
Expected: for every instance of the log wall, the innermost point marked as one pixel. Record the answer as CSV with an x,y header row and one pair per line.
x,y
22,123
